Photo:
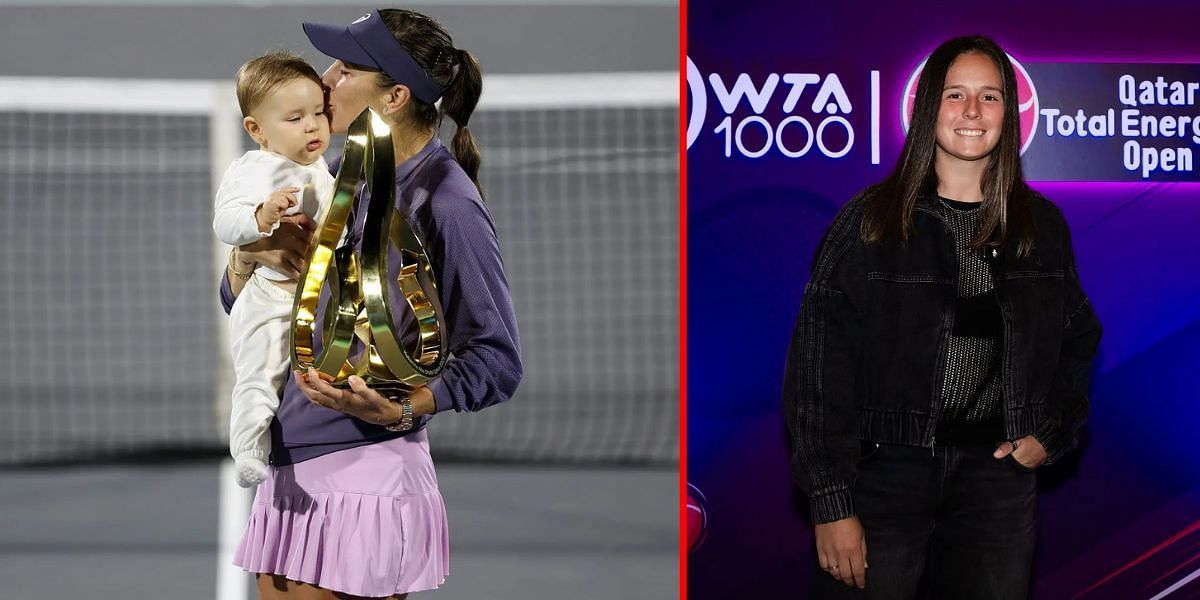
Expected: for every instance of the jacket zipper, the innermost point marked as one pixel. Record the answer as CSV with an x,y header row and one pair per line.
x,y
947,328
1005,346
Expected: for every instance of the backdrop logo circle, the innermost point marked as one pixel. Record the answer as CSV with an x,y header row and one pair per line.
x,y
697,102
697,517
1027,99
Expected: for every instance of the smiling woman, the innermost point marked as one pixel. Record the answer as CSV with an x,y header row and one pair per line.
x,y
917,389
969,121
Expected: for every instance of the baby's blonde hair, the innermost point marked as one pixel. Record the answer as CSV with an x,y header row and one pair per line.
x,y
261,76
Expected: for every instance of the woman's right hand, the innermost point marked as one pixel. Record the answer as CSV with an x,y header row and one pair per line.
x,y
286,249
842,550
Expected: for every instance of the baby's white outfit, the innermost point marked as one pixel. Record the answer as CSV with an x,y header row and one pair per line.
x,y
259,321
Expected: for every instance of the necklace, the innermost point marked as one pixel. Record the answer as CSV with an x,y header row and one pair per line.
x,y
958,206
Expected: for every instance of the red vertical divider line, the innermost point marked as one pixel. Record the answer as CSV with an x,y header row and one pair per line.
x,y
682,501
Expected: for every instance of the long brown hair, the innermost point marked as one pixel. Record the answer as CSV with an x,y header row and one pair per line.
x,y
1007,210
431,46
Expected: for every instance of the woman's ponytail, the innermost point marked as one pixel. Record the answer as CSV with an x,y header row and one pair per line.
x,y
458,103
431,46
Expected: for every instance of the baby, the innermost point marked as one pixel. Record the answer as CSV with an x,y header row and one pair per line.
x,y
283,109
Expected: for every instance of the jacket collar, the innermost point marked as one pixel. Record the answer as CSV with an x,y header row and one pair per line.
x,y
405,169
927,203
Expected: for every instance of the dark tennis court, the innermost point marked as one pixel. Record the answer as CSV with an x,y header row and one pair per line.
x,y
150,532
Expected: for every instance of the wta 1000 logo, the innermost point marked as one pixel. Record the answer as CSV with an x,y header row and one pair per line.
x,y
791,114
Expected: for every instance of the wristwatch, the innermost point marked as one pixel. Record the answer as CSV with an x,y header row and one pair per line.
x,y
406,415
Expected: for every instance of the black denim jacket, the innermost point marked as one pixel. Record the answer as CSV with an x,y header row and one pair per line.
x,y
867,356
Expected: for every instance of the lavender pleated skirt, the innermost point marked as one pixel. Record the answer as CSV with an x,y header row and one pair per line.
x,y
367,521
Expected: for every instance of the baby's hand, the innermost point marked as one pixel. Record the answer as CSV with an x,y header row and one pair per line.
x,y
269,212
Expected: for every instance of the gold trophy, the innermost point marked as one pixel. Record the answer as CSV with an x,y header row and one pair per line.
x,y
358,307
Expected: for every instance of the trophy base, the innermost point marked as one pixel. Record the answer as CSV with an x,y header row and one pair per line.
x,y
384,387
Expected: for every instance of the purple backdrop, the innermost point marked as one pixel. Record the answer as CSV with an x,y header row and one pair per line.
x,y
1121,518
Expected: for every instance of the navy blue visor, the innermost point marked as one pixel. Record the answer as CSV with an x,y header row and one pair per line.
x,y
368,42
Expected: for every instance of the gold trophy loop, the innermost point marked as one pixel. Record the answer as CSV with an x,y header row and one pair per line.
x,y
359,298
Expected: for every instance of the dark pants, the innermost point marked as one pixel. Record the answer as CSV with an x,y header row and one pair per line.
x,y
961,518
